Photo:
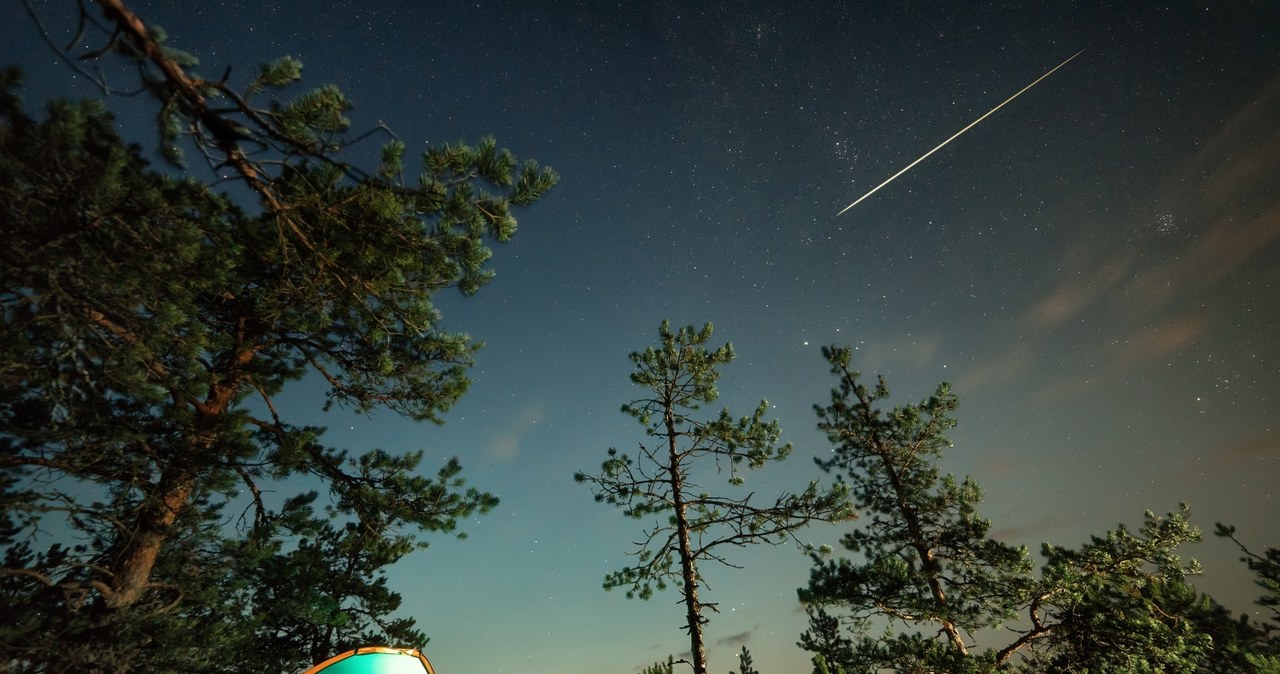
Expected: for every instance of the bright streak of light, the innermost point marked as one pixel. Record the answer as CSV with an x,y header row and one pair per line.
x,y
971,125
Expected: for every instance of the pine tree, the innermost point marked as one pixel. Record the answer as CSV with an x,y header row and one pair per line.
x,y
150,324
660,667
925,564
689,525
927,560
1267,568
820,666
1119,603
827,641
744,663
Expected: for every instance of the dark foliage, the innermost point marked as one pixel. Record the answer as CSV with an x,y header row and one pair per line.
x,y
149,323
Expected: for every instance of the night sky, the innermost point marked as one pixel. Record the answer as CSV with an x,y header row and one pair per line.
x,y
1093,267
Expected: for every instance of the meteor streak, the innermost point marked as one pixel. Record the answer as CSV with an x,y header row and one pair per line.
x,y
971,125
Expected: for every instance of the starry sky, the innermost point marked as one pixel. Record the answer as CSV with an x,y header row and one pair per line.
x,y
1093,267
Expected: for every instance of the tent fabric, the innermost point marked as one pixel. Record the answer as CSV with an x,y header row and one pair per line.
x,y
375,660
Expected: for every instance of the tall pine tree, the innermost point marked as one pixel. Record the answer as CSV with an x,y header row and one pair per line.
x,y
925,579
926,560
689,525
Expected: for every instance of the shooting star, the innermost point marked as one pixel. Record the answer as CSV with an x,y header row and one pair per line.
x,y
971,125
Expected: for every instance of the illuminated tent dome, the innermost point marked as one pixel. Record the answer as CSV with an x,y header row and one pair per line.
x,y
375,660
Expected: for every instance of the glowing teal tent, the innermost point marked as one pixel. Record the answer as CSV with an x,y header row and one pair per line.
x,y
375,660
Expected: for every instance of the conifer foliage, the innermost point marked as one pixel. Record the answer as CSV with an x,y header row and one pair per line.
x,y
927,559
149,326
745,666
925,583
661,485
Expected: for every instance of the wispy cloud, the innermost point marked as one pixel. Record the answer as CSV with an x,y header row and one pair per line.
x,y
1244,454
506,445
1155,307
1228,187
738,639
1224,246
1078,292
1247,450
1000,467
1152,343
911,351
1240,156
999,369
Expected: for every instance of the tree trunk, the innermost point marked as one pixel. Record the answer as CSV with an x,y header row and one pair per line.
x,y
688,570
132,568
928,564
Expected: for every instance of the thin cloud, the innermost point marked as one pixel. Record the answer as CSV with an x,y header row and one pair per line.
x,y
1230,184
1000,369
1078,293
1240,157
506,445
1248,450
1226,193
912,351
1142,346
1223,248
996,468
738,639
1156,342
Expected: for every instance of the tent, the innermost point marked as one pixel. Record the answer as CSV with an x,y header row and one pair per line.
x,y
375,660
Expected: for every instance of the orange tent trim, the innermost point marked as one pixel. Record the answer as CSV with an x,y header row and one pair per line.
x,y
411,652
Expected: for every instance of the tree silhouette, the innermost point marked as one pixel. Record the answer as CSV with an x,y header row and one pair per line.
x,y
150,324
924,563
745,665
687,524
